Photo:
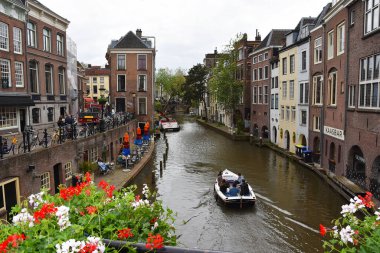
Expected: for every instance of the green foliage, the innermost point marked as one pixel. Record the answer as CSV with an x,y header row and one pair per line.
x,y
195,85
87,166
240,126
223,83
170,81
158,106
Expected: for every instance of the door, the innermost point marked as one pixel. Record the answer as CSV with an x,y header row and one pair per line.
x,y
57,172
22,119
10,196
120,104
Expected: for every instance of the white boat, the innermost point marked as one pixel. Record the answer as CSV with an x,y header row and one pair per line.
x,y
169,125
230,177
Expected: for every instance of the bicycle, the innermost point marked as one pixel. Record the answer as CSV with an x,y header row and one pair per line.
x,y
7,149
34,140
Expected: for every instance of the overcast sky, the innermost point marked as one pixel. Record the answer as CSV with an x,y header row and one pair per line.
x,y
185,30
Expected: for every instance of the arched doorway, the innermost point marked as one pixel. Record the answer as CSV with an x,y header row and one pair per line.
x,y
332,157
317,150
286,140
274,135
374,185
356,166
265,132
302,140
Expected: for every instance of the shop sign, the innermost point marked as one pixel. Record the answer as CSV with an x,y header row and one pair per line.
x,y
334,132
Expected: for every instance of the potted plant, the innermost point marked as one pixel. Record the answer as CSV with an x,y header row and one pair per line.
x,y
87,166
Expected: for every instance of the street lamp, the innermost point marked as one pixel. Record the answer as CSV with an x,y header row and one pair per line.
x,y
102,101
134,102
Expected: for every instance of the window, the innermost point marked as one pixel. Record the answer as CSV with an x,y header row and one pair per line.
x,y
266,55
318,50
50,114
293,119
36,115
272,101
93,154
4,37
61,81
241,54
254,74
352,17
101,79
291,89
260,73
46,35
121,61
340,39
276,82
303,60
121,83
266,93
8,117
276,101
330,45
284,66
19,74
287,115
303,117
332,88
68,170
284,89
254,59
260,94
31,35
49,79
266,72
304,93
351,96
17,40
272,82
94,79
95,89
33,76
371,15
317,90
5,69
316,124
282,112
369,82
60,48
141,83
254,95
291,62
142,106
45,181
260,57
141,62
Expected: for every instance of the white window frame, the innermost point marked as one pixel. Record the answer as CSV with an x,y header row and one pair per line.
x,y
291,89
284,89
5,69
93,154
266,72
370,11
316,123
315,84
260,91
304,67
287,113
10,118
266,94
125,84
340,40
45,181
146,105
46,39
145,83
61,81
4,37
254,95
292,61
284,65
293,114
19,74
31,34
368,82
50,71
333,86
303,95
68,168
101,79
301,117
119,67
351,96
330,45
276,101
146,61
37,77
60,44
254,60
318,55
254,76
17,40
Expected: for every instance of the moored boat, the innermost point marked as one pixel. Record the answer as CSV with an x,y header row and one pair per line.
x,y
230,177
169,125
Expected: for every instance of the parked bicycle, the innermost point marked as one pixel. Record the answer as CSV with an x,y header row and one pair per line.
x,y
8,147
35,139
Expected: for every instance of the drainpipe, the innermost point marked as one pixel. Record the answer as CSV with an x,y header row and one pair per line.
x,y
346,93
322,120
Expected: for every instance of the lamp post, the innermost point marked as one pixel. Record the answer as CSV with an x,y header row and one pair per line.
x,y
102,101
134,102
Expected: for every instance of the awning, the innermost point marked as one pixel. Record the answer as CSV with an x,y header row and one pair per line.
x,y
16,101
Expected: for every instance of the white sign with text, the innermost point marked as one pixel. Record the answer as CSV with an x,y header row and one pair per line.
x,y
334,132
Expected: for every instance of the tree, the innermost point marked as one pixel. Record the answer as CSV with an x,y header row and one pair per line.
x,y
223,83
170,83
195,86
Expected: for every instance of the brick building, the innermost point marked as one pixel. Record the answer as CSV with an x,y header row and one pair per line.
x,y
132,63
363,98
14,98
46,64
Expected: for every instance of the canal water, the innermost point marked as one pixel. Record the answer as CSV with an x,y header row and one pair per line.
x,y
291,200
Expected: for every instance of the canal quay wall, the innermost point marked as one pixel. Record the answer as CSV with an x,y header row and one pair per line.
x,y
340,184
55,165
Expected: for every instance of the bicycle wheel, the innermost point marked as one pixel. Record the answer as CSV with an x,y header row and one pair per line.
x,y
20,148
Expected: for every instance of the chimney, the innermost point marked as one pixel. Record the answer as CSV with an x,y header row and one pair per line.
x,y
216,51
139,33
258,36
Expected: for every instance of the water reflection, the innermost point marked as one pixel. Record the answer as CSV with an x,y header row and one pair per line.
x,y
292,201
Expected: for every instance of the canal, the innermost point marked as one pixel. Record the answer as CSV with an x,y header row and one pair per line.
x,y
292,200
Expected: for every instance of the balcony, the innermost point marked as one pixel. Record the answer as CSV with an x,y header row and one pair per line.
x,y
50,97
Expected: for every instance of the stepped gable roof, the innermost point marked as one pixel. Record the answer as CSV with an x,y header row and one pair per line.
x,y
130,40
276,37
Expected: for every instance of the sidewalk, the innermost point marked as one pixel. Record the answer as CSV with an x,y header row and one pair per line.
x,y
121,178
224,130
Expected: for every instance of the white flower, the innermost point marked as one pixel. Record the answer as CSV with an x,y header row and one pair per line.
x,y
336,232
354,205
155,225
346,234
377,214
72,246
36,199
63,217
23,217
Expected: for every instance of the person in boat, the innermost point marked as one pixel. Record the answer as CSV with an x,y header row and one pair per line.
x,y
240,179
223,186
234,191
220,178
244,190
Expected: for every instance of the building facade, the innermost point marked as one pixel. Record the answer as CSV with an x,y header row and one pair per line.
x,y
98,82
132,63
46,64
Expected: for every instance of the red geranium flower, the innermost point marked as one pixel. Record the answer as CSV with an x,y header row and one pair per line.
x,y
152,221
367,200
124,233
45,210
322,230
88,248
154,241
91,209
13,240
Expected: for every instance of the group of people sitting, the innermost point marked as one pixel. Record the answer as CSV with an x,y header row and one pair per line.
x,y
238,187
